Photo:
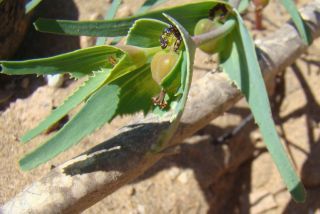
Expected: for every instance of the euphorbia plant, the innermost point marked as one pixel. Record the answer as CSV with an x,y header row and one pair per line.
x,y
152,72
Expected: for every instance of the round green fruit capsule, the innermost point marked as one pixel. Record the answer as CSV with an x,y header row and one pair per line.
x,y
205,26
162,63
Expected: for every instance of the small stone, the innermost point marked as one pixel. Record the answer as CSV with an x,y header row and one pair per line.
x,y
141,209
183,177
173,173
55,80
131,191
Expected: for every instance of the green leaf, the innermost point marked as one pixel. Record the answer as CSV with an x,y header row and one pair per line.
x,y
99,109
148,4
113,9
134,57
78,63
31,5
186,66
240,62
145,7
109,16
89,87
137,90
119,27
297,20
146,33
243,6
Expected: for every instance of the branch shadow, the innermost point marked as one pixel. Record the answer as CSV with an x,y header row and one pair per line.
x,y
108,155
310,172
222,176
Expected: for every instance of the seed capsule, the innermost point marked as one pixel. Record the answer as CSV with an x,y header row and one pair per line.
x,y
205,26
162,63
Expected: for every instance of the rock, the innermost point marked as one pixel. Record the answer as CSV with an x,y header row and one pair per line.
x,y
13,25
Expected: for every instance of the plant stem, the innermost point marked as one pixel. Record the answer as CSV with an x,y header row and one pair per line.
x,y
152,51
258,19
214,34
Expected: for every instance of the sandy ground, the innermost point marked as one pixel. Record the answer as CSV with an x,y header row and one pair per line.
x,y
236,176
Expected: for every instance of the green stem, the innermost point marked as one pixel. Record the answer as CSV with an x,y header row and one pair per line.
x,y
215,34
258,19
152,51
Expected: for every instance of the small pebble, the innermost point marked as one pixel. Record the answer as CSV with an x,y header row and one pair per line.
x,y
55,81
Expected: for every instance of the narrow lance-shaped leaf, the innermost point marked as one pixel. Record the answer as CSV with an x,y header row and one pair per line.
x,y
297,20
31,4
243,6
109,16
187,64
89,87
239,61
119,27
129,94
145,33
145,7
99,109
148,4
78,63
134,57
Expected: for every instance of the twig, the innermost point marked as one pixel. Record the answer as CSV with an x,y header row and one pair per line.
x,y
228,135
83,181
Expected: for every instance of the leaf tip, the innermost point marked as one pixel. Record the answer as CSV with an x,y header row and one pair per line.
x,y
25,165
35,25
24,139
299,193
38,24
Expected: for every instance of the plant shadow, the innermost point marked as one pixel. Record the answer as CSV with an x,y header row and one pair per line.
x,y
310,169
